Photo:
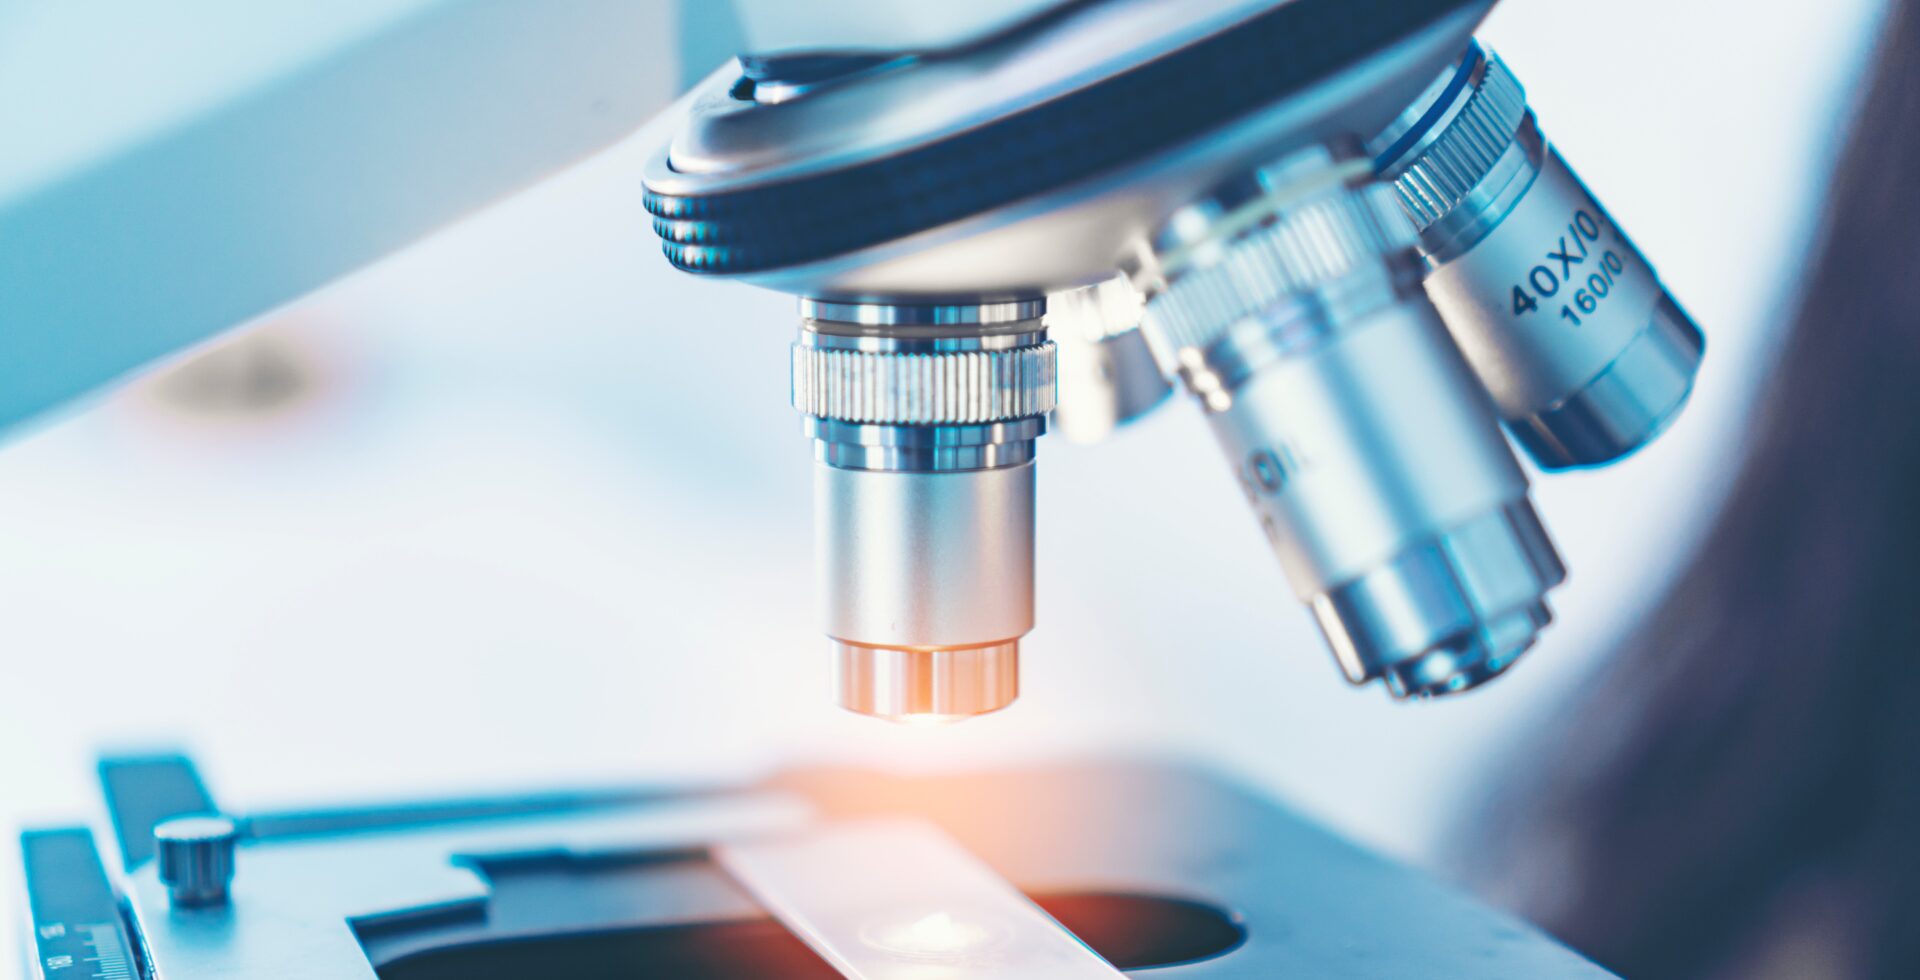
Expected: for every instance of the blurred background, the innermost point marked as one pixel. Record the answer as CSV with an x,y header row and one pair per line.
x,y
521,506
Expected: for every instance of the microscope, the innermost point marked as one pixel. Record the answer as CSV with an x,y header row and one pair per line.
x,y
1347,238
1336,223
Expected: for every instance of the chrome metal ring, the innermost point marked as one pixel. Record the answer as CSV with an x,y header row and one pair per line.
x,y
894,315
1298,251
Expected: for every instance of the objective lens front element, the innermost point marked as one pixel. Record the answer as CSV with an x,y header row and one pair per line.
x,y
927,685
924,421
1290,303
1585,353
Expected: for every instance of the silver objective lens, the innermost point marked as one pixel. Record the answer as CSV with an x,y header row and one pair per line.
x,y
1583,350
1290,304
924,420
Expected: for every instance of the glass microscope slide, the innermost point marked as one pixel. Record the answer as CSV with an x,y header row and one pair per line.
x,y
901,900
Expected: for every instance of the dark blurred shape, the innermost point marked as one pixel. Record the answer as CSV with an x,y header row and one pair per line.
x,y
1130,931
258,373
1737,793
710,951
1137,932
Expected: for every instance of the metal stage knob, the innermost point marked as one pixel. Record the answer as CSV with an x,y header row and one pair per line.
x,y
195,855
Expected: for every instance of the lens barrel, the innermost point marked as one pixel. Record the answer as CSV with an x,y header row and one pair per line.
x,y
1290,305
1585,353
924,421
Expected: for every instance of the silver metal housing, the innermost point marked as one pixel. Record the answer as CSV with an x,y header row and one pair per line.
x,y
1585,353
1289,301
1108,374
924,420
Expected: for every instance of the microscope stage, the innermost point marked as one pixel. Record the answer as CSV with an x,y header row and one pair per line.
x,y
1085,870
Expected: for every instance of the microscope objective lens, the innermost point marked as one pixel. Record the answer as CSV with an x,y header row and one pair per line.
x,y
925,421
1289,302
1586,355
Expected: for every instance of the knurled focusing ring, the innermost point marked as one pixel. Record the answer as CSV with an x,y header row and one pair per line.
x,y
1459,139
1318,243
924,389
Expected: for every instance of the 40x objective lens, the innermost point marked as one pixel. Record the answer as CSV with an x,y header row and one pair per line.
x,y
1563,320
1290,304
